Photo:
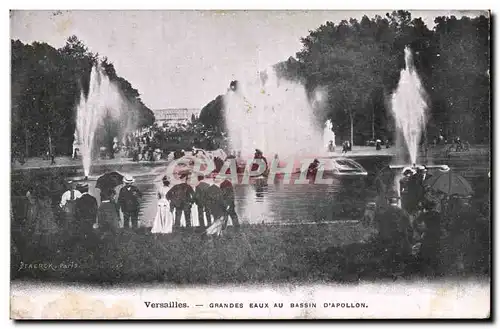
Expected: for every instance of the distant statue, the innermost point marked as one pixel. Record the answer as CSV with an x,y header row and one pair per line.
x,y
331,147
329,124
328,136
76,145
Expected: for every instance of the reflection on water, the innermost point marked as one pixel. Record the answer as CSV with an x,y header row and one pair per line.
x,y
280,202
342,200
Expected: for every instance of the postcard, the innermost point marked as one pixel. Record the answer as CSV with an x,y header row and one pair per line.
x,y
224,164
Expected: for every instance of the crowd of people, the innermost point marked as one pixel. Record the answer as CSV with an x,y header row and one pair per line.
x,y
427,225
200,202
155,142
209,201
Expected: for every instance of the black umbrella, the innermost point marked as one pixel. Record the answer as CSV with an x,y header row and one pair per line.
x,y
109,180
450,184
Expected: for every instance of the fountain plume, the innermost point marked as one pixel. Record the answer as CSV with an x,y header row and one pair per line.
x,y
103,100
409,106
271,114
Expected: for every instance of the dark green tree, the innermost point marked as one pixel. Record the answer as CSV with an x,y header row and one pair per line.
x,y
46,86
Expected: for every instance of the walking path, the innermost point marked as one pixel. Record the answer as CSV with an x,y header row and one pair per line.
x,y
357,151
68,162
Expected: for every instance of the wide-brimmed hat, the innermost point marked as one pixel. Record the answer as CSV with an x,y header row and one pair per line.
x,y
407,170
128,179
371,205
421,168
445,168
82,186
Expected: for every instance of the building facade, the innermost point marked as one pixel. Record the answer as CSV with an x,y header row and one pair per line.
x,y
175,116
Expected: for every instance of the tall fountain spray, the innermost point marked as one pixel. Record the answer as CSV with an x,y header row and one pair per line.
x,y
103,100
409,107
272,115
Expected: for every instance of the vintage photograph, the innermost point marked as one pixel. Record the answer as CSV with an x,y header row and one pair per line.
x,y
244,164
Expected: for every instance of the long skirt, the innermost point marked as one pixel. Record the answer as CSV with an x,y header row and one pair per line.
x,y
164,220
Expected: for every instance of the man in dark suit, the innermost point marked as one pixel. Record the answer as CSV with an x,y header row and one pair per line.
x,y
420,181
200,196
216,202
404,189
108,217
86,209
228,193
181,197
128,201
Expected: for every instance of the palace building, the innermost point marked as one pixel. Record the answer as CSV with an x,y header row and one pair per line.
x,y
175,116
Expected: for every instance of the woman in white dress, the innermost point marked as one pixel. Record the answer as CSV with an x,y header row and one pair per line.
x,y
164,220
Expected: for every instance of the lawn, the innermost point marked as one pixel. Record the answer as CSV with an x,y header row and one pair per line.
x,y
257,253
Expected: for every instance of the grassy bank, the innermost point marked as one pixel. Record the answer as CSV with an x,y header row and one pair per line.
x,y
257,253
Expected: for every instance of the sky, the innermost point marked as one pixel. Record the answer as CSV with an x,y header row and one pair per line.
x,y
184,59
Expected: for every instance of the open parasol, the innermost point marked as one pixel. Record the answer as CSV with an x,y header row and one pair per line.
x,y
109,180
450,183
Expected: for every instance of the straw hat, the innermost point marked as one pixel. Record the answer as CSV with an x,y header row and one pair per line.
x,y
371,205
82,186
128,179
421,168
407,170
444,168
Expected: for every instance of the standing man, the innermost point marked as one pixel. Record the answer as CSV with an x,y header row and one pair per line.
x,y
421,177
108,217
404,186
217,207
86,209
68,205
128,201
200,195
228,193
70,195
181,198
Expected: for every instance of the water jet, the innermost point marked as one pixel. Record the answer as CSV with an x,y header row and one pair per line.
x,y
272,115
102,102
409,106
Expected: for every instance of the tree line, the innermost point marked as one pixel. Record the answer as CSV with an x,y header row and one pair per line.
x,y
358,64
46,85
